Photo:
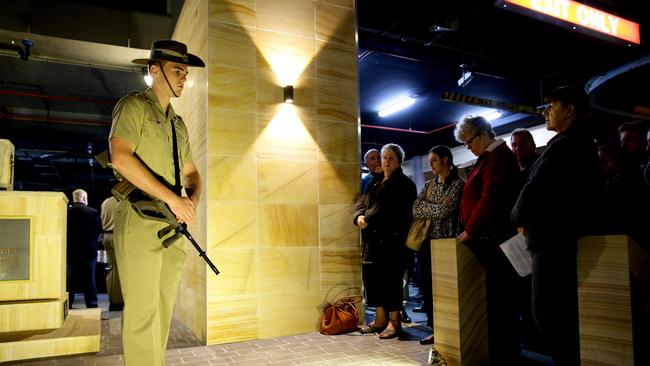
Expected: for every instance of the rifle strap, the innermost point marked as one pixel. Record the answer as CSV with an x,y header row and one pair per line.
x,y
177,171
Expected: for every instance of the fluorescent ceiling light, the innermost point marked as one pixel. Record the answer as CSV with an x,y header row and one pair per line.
x,y
491,116
465,78
396,106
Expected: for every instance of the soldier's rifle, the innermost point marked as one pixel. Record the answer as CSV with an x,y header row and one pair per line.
x,y
152,208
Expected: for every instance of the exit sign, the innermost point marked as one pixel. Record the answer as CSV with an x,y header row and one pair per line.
x,y
579,15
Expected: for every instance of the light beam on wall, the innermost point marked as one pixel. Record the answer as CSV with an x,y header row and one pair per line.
x,y
292,61
286,129
287,65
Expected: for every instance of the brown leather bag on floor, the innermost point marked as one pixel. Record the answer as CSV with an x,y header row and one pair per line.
x,y
341,316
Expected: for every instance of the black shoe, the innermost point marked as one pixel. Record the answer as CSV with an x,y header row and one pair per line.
x,y
404,316
91,306
427,340
419,309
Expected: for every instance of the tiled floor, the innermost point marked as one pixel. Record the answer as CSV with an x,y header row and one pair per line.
x,y
305,349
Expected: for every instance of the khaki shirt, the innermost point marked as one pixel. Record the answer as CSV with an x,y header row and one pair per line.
x,y
108,213
139,118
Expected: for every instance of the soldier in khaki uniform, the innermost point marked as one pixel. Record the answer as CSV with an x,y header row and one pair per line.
x,y
142,135
113,287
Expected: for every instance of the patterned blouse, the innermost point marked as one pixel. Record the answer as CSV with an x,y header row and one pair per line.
x,y
442,205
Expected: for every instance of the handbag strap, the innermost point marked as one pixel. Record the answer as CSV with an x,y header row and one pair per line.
x,y
432,182
353,299
342,300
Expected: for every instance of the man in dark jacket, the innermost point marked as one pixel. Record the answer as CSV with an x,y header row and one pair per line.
x,y
523,146
552,210
84,228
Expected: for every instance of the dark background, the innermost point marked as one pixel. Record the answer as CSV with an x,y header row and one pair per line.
x,y
58,113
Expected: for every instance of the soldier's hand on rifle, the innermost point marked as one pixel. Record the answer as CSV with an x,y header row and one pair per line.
x,y
184,210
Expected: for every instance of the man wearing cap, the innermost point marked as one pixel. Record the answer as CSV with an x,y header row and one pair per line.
x,y
149,146
552,210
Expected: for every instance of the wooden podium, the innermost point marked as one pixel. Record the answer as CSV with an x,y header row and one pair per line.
x,y
6,165
459,304
604,264
605,312
33,298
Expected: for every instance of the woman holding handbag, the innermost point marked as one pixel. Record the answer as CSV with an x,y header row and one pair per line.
x,y
439,201
384,215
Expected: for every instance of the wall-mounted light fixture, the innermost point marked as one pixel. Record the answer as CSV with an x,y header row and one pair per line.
x,y
147,78
465,76
288,94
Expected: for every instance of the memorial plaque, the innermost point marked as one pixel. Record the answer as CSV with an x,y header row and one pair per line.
x,y
15,248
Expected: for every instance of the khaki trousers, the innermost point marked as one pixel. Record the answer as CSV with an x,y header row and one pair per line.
x,y
149,276
113,287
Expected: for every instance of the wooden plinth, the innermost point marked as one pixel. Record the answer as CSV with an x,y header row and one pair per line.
x,y
47,212
459,304
21,316
79,333
604,301
6,165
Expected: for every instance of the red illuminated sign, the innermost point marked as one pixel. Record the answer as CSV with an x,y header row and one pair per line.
x,y
584,16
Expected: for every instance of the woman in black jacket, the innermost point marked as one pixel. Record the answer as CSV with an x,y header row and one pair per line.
x,y
384,216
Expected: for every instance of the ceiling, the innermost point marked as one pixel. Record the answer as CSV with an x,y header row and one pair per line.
x,y
56,107
418,47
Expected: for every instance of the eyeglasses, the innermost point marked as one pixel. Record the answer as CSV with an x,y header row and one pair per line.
x,y
468,143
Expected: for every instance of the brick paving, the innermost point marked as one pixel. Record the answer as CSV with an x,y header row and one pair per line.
x,y
305,349
184,349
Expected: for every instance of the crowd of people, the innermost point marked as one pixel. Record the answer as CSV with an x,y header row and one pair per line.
x,y
575,187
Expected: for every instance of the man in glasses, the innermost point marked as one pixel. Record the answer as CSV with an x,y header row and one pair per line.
x,y
488,196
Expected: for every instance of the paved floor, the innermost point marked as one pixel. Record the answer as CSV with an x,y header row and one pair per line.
x,y
306,349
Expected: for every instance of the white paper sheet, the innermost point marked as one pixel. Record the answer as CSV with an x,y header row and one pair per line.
x,y
520,258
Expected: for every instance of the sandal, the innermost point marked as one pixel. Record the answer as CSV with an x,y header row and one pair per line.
x,y
371,328
395,332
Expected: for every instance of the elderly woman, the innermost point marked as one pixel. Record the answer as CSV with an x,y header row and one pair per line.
x,y
489,195
384,215
439,201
